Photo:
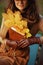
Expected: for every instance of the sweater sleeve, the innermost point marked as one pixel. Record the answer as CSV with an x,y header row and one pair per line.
x,y
34,40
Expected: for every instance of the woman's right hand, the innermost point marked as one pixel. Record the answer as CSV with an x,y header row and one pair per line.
x,y
11,43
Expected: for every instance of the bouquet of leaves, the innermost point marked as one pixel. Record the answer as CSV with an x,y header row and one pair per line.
x,y
16,21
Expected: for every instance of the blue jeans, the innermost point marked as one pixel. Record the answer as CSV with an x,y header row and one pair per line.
x,y
33,52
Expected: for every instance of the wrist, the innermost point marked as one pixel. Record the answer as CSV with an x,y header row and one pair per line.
x,y
34,40
38,40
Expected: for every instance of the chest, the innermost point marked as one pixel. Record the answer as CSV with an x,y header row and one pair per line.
x,y
34,28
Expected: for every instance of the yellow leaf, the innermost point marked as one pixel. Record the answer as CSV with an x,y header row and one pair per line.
x,y
8,23
28,35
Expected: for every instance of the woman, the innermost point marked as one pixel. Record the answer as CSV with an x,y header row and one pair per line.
x,y
35,23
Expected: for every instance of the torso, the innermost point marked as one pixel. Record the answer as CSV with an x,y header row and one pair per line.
x,y
33,28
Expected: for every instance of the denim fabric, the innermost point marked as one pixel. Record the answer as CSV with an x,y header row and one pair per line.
x,y
33,52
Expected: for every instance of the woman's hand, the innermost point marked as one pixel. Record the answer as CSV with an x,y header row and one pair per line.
x,y
23,43
11,43
29,41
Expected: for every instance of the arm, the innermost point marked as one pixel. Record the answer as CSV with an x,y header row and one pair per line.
x,y
41,28
29,41
41,25
3,29
33,40
24,42
3,32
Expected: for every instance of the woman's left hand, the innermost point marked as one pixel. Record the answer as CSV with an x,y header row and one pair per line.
x,y
29,41
23,43
12,44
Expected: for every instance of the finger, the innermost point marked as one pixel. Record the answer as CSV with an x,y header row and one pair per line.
x,y
24,46
21,40
25,42
20,43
